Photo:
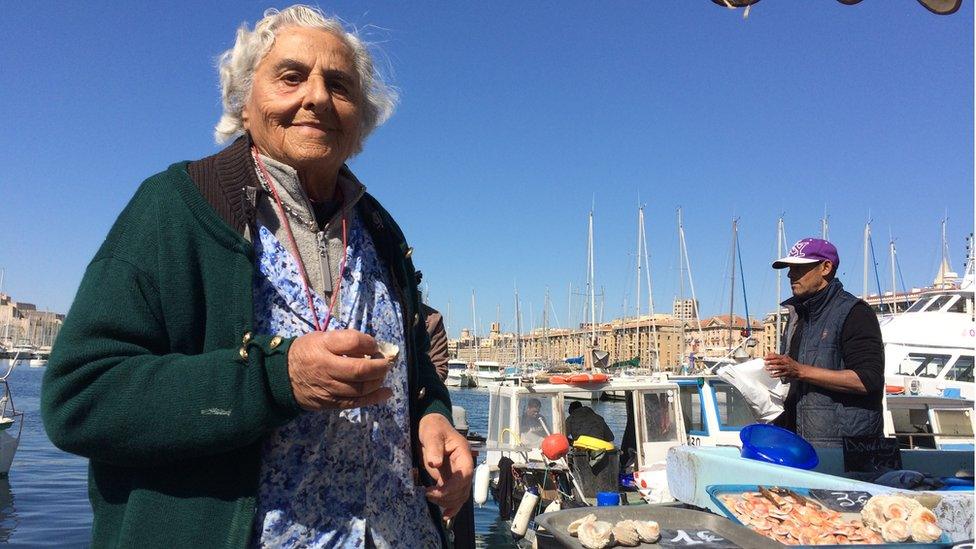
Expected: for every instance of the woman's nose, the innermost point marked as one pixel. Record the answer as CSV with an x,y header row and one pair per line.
x,y
317,96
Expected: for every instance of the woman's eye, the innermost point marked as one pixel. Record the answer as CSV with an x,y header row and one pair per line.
x,y
338,87
292,78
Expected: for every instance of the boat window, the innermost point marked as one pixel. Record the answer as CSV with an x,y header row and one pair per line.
x,y
659,420
939,302
918,306
922,364
961,370
733,410
912,428
957,306
535,419
691,408
500,407
955,423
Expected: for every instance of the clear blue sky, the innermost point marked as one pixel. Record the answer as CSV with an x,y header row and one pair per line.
x,y
515,118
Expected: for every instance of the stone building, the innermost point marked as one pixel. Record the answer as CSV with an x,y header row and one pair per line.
x,y
23,325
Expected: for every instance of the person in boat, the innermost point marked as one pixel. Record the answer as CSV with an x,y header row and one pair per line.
x,y
831,354
244,363
532,424
659,418
583,421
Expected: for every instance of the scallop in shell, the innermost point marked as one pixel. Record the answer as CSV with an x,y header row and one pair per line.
x,y
573,527
923,526
597,534
649,531
895,530
625,533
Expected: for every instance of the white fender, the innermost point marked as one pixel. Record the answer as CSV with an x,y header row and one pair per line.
x,y
481,474
520,522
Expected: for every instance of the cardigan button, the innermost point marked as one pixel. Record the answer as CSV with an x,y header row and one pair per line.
x,y
243,353
408,253
275,341
247,338
421,393
416,319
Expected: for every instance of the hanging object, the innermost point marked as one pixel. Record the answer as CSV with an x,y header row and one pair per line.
x,y
939,7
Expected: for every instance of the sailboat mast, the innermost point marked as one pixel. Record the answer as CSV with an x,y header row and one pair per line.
x,y
474,322
545,327
640,219
823,225
518,328
655,347
780,237
894,287
592,285
867,237
732,285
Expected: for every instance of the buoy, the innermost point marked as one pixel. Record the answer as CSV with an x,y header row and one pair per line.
x,y
588,378
481,474
558,379
555,446
520,523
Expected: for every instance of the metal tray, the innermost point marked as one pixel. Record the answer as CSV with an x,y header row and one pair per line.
x,y
669,518
715,490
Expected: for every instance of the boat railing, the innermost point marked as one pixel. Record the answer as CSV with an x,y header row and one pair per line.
x,y
932,436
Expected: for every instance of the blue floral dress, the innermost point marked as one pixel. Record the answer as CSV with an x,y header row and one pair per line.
x,y
328,477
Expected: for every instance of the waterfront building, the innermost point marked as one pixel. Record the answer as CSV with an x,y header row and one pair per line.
x,y
23,325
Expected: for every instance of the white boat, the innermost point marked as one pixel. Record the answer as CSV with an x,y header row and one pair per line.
x,y
11,422
459,374
487,371
929,347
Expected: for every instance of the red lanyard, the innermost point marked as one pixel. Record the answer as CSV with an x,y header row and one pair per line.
x,y
298,256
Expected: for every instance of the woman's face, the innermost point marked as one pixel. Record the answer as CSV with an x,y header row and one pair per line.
x,y
304,108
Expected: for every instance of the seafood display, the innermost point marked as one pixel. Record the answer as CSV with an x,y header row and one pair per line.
x,y
598,534
900,518
792,519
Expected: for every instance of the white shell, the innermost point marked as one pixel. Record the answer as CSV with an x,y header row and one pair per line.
x,y
573,527
924,531
387,349
596,535
895,530
625,533
924,526
649,531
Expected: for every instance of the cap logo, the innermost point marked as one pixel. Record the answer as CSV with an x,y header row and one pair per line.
x,y
797,249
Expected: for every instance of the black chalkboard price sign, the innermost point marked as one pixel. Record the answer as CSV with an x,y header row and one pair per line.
x,y
705,539
870,454
842,501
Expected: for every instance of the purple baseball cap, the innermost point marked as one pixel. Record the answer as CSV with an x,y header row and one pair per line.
x,y
809,250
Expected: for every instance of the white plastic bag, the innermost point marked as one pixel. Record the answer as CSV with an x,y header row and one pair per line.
x,y
764,394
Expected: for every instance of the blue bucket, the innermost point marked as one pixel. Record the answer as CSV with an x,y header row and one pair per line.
x,y
607,498
773,444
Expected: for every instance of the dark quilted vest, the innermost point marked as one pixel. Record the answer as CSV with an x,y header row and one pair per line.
x,y
823,417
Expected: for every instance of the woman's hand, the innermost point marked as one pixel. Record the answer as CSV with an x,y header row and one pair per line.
x,y
337,369
447,458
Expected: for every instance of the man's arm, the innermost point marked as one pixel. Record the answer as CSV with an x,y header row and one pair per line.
x,y
438,340
863,354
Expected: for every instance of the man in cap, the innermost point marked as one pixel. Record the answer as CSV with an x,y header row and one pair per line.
x,y
832,353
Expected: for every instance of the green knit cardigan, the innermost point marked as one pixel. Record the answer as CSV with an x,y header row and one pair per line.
x,y
156,377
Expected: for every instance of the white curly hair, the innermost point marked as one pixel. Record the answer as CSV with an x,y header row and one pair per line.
x,y
237,66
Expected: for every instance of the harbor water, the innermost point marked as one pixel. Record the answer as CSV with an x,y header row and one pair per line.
x,y
44,502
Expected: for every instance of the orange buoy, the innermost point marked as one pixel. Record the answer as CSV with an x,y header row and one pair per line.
x,y
555,446
588,378
894,389
558,379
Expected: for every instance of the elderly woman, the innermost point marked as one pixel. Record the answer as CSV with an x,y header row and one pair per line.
x,y
245,362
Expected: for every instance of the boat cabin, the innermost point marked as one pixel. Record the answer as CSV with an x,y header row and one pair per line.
x,y
713,411
516,430
930,422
